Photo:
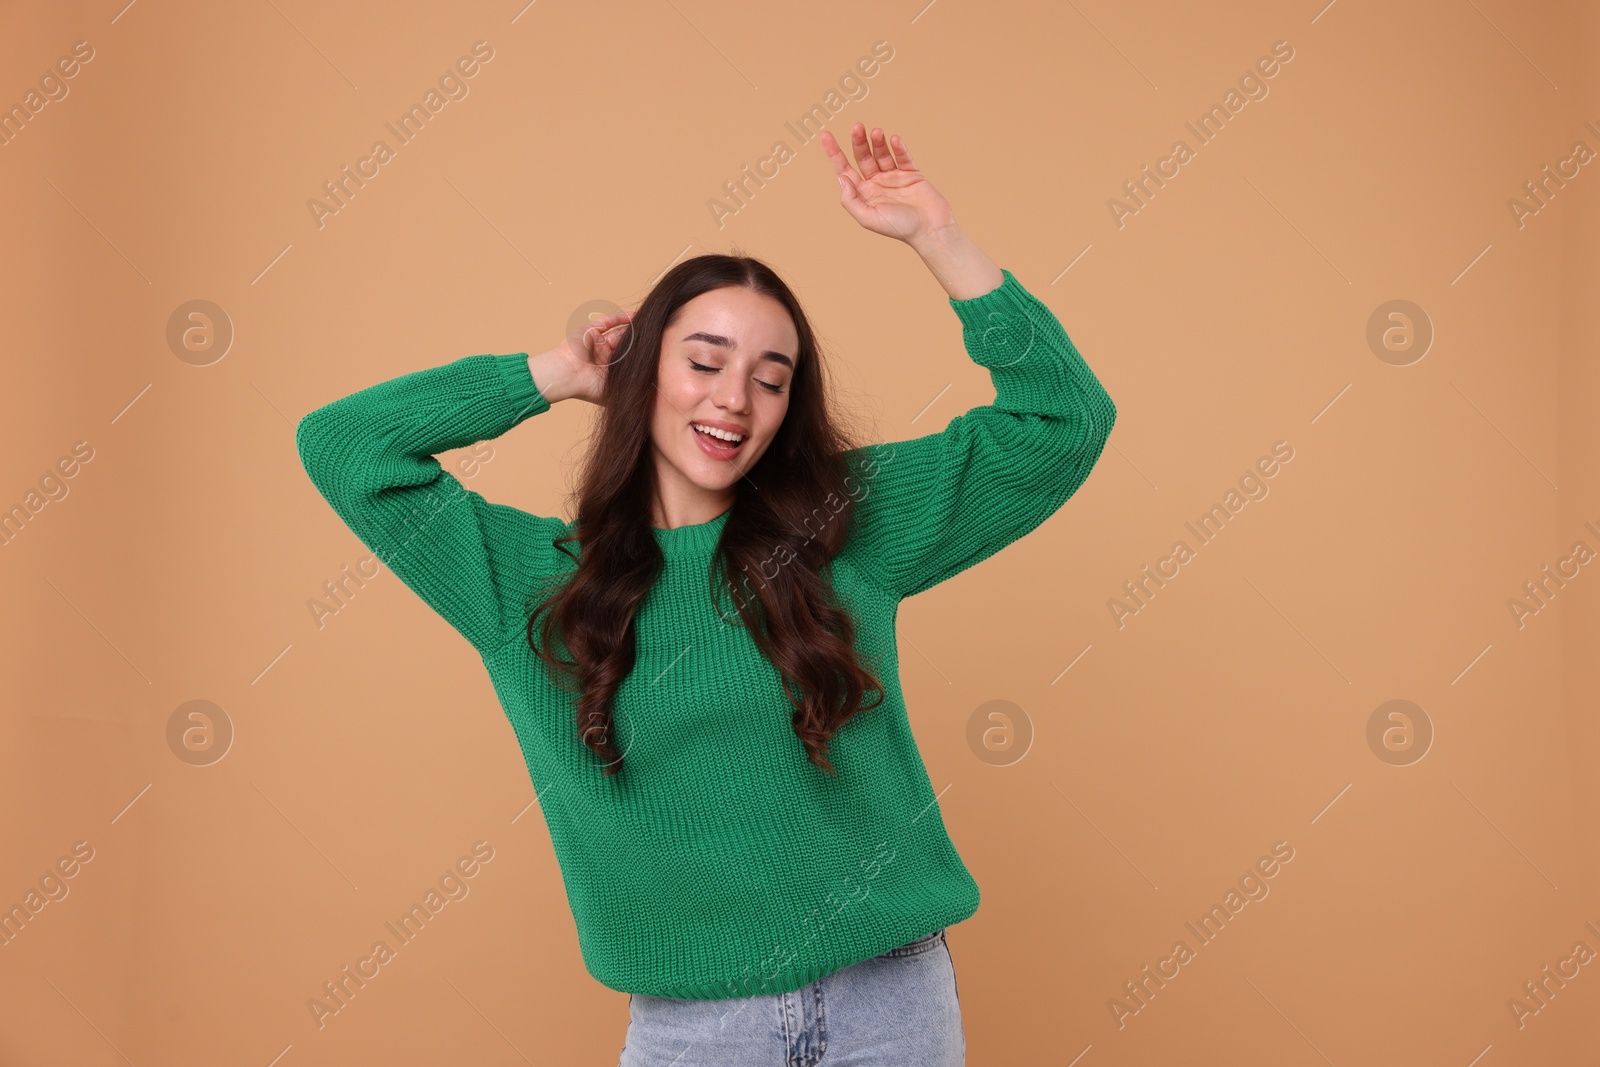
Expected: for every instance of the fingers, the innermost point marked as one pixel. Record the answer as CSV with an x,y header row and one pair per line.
x,y
863,150
841,165
603,326
873,154
847,188
841,168
606,338
902,155
880,151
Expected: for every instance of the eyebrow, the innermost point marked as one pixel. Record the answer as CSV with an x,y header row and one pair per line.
x,y
723,342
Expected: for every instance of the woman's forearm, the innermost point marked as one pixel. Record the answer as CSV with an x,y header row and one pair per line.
x,y
961,266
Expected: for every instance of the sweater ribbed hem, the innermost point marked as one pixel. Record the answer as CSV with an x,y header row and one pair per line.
x,y
961,903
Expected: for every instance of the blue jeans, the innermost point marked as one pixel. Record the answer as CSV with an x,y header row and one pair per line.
x,y
897,1008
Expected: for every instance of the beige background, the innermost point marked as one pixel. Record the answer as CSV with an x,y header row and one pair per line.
x,y
1229,313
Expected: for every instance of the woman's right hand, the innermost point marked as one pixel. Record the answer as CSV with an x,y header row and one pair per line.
x,y
577,366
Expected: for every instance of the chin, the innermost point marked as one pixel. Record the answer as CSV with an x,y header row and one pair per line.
x,y
714,480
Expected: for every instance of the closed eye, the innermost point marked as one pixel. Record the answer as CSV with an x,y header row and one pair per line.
x,y
712,370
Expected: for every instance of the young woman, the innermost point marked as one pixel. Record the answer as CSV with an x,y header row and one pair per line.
x,y
701,668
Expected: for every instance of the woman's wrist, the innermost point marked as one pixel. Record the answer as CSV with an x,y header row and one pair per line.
x,y
550,374
963,268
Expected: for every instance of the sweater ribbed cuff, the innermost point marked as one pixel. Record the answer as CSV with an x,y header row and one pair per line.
x,y
974,311
999,327
521,392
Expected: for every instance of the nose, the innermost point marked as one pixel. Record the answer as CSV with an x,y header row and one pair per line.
x,y
732,393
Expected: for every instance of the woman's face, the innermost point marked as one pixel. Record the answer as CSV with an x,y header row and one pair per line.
x,y
727,362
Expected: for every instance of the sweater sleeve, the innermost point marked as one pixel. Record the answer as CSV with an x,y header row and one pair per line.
x,y
371,456
930,507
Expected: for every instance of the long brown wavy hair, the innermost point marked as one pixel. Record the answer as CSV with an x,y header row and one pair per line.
x,y
793,617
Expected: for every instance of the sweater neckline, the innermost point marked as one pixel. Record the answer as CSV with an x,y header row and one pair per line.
x,y
688,542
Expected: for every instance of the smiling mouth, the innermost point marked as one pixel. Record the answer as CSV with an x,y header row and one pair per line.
x,y
717,447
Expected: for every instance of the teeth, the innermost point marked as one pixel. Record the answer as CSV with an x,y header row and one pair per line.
x,y
714,432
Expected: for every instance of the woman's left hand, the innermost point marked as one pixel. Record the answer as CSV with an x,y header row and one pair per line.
x,y
891,196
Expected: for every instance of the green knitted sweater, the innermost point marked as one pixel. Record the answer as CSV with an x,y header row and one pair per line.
x,y
720,862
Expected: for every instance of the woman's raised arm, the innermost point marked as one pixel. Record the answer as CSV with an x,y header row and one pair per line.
x,y
929,508
371,456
